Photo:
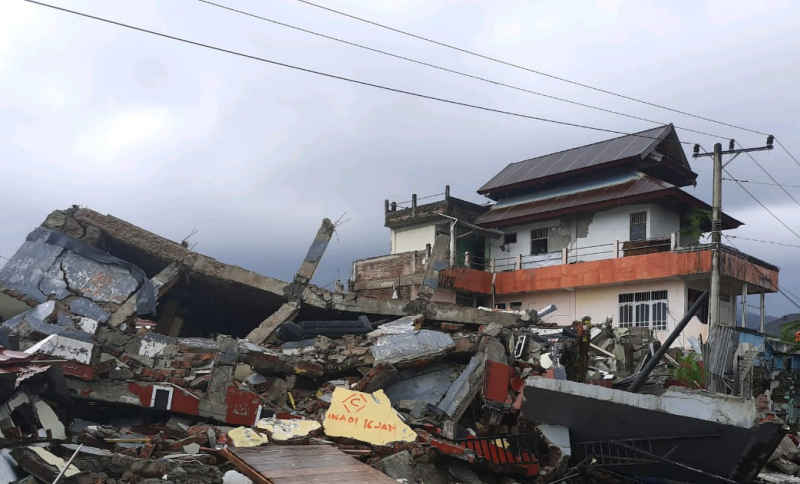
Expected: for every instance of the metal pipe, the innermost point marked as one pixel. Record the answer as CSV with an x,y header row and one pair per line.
x,y
69,463
642,376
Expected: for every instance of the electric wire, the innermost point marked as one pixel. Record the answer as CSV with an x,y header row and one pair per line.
x,y
762,204
453,71
545,74
757,182
766,172
342,78
528,69
773,242
780,290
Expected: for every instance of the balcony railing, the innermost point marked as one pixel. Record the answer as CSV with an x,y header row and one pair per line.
x,y
571,255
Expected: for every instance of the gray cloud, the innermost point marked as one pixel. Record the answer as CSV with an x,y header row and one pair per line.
x,y
173,137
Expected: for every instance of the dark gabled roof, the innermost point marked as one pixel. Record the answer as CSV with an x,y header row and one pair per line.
x,y
642,189
630,150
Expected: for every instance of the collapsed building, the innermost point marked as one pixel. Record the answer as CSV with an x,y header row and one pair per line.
x,y
127,357
100,314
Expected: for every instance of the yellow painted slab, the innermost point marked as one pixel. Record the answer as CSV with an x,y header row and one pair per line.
x,y
247,437
368,417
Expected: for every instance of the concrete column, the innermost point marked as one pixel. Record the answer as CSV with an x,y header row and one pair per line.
x,y
453,243
413,204
744,305
386,205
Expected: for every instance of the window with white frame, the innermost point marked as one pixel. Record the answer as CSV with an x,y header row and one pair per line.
x,y
643,309
539,241
638,226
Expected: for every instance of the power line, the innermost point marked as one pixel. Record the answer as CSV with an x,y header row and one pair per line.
x,y
791,300
773,242
756,182
762,204
542,73
341,78
451,71
784,148
529,69
761,167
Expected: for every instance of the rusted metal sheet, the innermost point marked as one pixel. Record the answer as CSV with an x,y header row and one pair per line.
x,y
305,464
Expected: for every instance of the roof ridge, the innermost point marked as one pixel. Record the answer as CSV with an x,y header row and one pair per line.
x,y
589,144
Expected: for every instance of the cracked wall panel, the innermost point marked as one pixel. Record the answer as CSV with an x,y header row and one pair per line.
x,y
24,272
99,282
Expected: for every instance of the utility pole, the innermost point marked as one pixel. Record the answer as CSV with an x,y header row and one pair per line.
x,y
716,218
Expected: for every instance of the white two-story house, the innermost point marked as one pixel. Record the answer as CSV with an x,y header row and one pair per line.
x,y
603,230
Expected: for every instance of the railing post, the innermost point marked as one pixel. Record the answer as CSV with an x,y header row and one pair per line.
x,y
519,262
413,204
491,265
394,206
446,192
466,259
617,250
673,241
386,205
565,255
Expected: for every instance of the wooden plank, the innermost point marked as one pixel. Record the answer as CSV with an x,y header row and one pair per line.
x,y
308,464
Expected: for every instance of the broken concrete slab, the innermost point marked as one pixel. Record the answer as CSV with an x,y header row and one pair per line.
x,y
247,437
428,385
161,283
368,417
82,306
61,346
286,312
406,324
400,466
49,420
282,430
399,349
23,273
463,391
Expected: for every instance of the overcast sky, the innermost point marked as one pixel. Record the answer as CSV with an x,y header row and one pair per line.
x,y
174,137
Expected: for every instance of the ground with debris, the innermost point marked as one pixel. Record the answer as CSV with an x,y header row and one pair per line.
x,y
125,357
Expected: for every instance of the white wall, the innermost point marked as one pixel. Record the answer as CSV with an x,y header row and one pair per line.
x,y
564,232
563,299
602,302
604,229
412,238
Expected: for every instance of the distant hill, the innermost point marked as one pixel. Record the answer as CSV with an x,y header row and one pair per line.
x,y
774,326
754,322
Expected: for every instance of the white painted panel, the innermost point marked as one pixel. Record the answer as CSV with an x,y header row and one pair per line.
x,y
412,238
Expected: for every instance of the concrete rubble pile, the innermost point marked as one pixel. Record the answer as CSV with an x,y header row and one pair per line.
x,y
125,357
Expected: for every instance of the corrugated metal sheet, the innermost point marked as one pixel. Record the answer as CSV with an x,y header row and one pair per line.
x,y
641,186
638,144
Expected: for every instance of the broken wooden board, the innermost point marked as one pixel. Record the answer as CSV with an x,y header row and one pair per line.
x,y
307,464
